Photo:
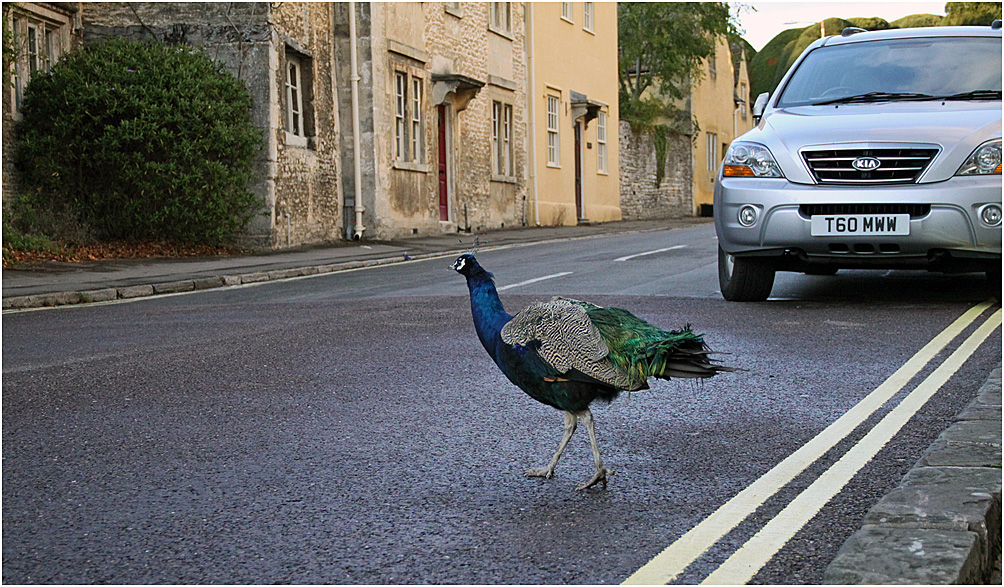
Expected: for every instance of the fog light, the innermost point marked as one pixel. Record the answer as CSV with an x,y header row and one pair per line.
x,y
747,216
990,214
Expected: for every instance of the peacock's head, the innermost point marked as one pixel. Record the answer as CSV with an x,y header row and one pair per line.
x,y
464,264
467,265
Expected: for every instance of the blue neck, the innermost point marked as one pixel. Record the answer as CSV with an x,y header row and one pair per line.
x,y
486,308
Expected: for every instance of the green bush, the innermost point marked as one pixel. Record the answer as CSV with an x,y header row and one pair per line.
x,y
140,141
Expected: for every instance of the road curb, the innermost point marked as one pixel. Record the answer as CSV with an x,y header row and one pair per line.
x,y
50,300
942,524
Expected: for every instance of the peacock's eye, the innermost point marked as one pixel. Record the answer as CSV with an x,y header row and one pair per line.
x,y
459,264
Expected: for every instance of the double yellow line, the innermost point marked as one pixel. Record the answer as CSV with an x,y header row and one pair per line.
x,y
752,556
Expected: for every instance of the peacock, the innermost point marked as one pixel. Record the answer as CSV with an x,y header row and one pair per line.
x,y
566,353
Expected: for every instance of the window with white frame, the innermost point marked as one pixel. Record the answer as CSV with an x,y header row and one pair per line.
x,y
500,17
400,110
409,122
502,143
298,79
294,96
712,140
567,11
553,105
417,143
587,16
742,100
601,142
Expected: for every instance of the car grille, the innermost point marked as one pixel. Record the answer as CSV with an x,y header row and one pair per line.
x,y
898,165
914,210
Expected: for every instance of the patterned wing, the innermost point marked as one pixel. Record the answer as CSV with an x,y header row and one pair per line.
x,y
568,340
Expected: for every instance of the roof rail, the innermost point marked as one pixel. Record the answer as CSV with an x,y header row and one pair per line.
x,y
852,30
996,25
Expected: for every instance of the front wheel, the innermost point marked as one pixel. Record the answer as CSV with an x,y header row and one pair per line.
x,y
745,279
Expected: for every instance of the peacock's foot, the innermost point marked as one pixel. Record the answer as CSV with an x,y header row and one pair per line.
x,y
599,477
544,472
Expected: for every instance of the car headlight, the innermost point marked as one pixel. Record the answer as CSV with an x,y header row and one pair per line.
x,y
985,160
750,160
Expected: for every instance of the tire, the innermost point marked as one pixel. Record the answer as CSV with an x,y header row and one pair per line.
x,y
745,279
994,282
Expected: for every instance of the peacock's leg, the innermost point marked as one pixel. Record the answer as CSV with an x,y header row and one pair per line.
x,y
547,472
601,472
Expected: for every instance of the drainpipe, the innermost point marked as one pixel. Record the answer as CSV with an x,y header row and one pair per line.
x,y
357,230
531,102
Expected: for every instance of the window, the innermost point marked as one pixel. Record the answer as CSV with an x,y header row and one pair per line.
x,y
567,11
553,103
298,78
587,16
416,120
294,97
500,18
601,142
409,132
38,44
400,129
502,144
712,139
742,100
51,50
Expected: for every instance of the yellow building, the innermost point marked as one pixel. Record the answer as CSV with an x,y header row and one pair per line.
x,y
572,81
720,104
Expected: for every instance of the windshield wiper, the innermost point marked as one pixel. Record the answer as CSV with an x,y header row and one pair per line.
x,y
974,95
876,97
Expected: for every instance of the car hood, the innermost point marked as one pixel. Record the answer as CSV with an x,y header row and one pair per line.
x,y
957,128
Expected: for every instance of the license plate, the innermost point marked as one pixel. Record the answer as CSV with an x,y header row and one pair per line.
x,y
860,224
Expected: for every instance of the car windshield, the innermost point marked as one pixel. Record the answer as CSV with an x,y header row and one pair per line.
x,y
961,68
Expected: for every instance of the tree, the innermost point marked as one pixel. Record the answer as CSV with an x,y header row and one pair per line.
x,y
140,141
971,13
662,48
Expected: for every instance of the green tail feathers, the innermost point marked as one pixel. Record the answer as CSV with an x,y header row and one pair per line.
x,y
642,350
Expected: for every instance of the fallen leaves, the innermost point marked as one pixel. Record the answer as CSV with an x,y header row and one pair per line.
x,y
112,250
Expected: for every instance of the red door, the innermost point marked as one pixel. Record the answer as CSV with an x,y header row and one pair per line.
x,y
444,203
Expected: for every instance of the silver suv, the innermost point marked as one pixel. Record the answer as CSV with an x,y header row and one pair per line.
x,y
878,150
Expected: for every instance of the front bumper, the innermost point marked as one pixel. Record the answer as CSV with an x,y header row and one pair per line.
x,y
951,230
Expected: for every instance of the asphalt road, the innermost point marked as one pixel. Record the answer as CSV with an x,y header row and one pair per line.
x,y
349,428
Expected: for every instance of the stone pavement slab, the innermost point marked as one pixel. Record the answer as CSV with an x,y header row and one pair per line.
x,y
942,525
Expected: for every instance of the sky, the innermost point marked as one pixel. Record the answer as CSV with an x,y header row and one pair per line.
x,y
769,18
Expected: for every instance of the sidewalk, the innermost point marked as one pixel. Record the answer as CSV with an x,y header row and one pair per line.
x,y
57,284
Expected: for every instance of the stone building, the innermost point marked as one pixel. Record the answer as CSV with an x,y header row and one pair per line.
x,y
38,34
442,114
437,137
284,53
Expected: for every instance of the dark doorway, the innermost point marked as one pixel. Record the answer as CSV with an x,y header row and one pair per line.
x,y
444,196
578,172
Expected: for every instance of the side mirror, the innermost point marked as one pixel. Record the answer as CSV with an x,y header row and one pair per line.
x,y
759,106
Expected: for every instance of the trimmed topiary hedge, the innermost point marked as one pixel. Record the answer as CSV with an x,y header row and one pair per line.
x,y
141,141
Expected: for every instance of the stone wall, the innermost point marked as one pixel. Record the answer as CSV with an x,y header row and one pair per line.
x,y
307,195
641,197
